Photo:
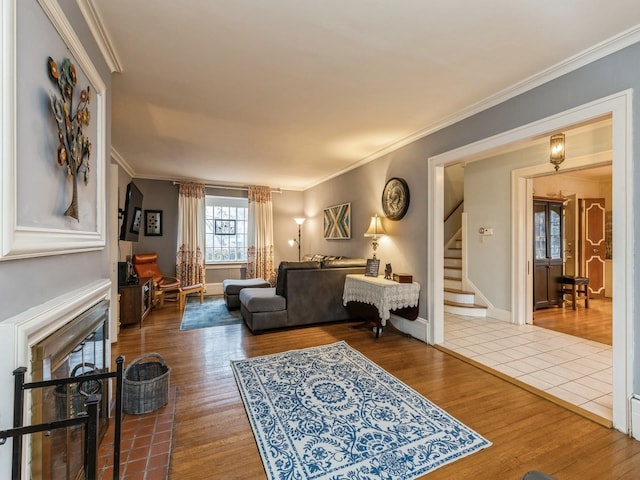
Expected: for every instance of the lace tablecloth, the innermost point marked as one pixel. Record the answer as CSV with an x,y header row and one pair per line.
x,y
385,295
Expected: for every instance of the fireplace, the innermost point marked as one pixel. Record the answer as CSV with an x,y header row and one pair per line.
x,y
76,348
50,340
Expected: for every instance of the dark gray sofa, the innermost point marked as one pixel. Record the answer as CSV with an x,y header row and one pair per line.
x,y
306,293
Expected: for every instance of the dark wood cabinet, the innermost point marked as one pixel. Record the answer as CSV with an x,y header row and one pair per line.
x,y
548,235
136,301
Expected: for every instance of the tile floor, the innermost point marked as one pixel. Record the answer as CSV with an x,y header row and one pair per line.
x,y
145,445
573,369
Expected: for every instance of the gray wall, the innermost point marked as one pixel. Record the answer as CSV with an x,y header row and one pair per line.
x,y
406,246
487,194
31,282
163,195
160,195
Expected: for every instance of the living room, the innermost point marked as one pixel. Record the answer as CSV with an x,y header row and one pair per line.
x,y
44,267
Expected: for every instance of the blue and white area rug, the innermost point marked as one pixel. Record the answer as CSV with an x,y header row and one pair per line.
x,y
329,413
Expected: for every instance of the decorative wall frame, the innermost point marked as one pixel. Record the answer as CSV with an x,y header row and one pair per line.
x,y
337,222
224,227
31,220
395,198
153,223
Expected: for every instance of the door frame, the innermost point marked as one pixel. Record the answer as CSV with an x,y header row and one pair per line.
x,y
619,106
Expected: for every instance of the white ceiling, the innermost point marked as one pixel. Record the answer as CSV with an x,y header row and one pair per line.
x,y
287,93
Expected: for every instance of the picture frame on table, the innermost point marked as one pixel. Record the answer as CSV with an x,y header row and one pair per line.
x,y
372,268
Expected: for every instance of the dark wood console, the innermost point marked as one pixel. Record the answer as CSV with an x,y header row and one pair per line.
x,y
136,301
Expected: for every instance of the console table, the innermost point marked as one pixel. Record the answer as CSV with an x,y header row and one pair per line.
x,y
135,301
386,296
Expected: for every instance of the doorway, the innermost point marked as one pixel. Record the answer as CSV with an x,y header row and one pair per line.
x,y
586,250
519,275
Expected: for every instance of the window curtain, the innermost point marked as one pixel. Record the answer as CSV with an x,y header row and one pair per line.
x,y
260,235
190,256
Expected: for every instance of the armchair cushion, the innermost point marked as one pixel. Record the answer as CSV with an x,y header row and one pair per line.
x,y
146,265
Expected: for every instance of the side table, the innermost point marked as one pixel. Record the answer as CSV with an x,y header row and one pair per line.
x,y
386,296
136,301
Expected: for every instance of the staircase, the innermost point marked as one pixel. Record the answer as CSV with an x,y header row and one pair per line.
x,y
456,300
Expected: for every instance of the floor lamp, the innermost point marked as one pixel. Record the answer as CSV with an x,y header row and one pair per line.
x,y
293,241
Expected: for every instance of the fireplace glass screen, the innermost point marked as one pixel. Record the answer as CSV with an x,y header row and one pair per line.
x,y
77,349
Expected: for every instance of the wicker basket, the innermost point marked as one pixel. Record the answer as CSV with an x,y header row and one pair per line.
x,y
146,384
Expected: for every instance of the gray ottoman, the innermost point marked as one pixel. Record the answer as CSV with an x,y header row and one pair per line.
x,y
262,309
232,287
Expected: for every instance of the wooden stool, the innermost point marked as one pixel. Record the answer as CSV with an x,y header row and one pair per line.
x,y
184,291
579,289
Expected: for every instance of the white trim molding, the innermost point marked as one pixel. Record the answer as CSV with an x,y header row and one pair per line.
x,y
619,106
93,17
18,241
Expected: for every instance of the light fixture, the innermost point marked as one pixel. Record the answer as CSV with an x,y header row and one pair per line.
x,y
556,150
375,231
293,241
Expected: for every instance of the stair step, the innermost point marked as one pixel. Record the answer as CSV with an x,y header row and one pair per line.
x,y
453,262
455,283
453,272
455,295
465,305
464,309
459,291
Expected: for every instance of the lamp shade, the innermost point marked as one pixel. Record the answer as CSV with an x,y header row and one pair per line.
x,y
299,220
556,150
375,228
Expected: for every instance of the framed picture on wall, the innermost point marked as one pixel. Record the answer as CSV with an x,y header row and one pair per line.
x,y
225,227
337,222
153,223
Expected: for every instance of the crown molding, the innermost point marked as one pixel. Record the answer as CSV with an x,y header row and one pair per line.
x,y
119,159
93,17
590,55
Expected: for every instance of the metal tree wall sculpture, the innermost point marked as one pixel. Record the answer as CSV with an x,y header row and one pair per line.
x,y
74,149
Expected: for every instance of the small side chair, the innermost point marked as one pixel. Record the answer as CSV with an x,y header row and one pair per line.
x,y
146,265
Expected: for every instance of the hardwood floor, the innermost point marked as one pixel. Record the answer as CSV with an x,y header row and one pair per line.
x,y
593,323
213,438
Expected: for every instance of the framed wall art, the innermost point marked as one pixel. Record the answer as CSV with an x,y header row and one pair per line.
x,y
337,222
36,194
395,198
225,227
153,223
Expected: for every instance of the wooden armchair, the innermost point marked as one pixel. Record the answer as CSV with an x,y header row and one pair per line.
x,y
146,265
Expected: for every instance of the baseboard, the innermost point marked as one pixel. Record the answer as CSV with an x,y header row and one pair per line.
x,y
499,314
635,417
214,289
416,328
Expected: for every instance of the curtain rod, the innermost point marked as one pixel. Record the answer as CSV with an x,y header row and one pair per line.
x,y
228,187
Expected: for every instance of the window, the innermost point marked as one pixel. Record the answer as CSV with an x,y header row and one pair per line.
x,y
226,229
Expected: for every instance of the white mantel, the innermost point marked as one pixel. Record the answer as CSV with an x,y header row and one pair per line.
x,y
19,333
